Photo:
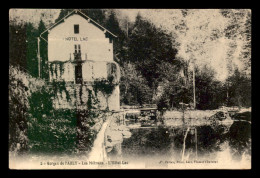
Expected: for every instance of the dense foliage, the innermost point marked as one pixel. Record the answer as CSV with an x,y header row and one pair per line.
x,y
36,126
23,48
18,110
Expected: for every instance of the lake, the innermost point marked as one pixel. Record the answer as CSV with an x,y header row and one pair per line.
x,y
176,146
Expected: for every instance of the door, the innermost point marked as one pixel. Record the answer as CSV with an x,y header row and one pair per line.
x,y
78,74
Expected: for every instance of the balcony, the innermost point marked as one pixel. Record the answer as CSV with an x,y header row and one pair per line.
x,y
77,57
79,71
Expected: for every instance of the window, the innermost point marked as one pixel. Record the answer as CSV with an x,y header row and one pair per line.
x,y
75,46
77,53
77,49
76,29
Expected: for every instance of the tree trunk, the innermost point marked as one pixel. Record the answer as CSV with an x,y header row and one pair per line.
x,y
184,144
194,94
107,101
39,59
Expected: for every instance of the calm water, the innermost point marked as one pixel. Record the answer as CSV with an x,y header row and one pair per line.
x,y
170,143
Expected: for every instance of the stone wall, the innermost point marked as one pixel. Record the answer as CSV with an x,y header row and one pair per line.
x,y
76,96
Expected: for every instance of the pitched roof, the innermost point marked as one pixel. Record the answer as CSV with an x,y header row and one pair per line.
x,y
75,11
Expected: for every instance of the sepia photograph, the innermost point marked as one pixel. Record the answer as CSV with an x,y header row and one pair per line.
x,y
141,89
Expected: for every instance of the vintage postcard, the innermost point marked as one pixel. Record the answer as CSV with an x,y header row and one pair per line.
x,y
129,89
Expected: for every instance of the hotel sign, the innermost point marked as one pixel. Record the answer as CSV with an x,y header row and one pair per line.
x,y
76,39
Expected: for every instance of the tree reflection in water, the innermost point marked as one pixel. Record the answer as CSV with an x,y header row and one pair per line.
x,y
239,137
168,141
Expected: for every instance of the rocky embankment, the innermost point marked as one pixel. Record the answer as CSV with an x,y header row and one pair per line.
x,y
115,133
242,116
197,117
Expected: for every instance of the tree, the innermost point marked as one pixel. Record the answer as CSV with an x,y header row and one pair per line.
x,y
133,87
238,35
239,90
31,53
17,45
63,13
150,55
210,92
96,14
43,51
149,47
112,24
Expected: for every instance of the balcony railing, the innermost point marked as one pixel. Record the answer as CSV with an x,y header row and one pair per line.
x,y
65,70
77,57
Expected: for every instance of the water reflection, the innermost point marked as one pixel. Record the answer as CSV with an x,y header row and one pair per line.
x,y
239,138
185,143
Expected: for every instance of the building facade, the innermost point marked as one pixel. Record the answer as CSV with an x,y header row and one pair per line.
x,y
80,51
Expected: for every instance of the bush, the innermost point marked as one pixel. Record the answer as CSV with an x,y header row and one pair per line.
x,y
54,132
61,130
18,107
